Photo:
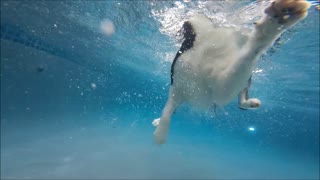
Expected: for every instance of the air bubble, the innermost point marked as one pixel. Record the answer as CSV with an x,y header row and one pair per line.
x,y
93,86
107,27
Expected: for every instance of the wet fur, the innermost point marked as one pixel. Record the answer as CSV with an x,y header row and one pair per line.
x,y
217,68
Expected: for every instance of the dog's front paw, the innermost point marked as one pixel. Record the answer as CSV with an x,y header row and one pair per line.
x,y
160,135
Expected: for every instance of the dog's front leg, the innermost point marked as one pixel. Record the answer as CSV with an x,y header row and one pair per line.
x,y
162,124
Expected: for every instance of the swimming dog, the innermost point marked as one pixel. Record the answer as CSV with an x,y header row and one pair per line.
x,y
214,65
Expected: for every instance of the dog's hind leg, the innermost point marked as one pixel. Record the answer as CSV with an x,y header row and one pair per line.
x,y
244,102
162,124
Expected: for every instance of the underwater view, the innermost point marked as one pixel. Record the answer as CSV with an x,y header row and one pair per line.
x,y
82,82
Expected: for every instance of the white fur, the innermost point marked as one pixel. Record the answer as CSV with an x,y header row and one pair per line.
x,y
216,69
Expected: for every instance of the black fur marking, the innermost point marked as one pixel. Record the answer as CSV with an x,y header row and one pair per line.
x,y
242,108
247,91
189,37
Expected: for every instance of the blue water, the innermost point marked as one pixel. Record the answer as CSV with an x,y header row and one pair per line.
x,y
78,103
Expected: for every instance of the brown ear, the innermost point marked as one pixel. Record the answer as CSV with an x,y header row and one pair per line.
x,y
270,10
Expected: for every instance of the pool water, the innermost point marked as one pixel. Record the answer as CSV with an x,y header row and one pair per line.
x,y
81,82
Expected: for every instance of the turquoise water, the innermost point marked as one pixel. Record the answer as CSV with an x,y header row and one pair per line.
x,y
81,82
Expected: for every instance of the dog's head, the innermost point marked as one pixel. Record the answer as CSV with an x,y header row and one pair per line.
x,y
288,12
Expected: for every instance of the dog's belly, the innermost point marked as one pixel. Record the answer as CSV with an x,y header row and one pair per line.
x,y
202,74
203,86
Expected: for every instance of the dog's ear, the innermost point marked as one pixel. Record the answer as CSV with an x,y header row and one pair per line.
x,y
270,10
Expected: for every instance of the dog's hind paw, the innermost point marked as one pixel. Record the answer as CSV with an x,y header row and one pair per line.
x,y
251,103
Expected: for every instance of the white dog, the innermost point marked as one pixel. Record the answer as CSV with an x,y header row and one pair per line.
x,y
214,65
